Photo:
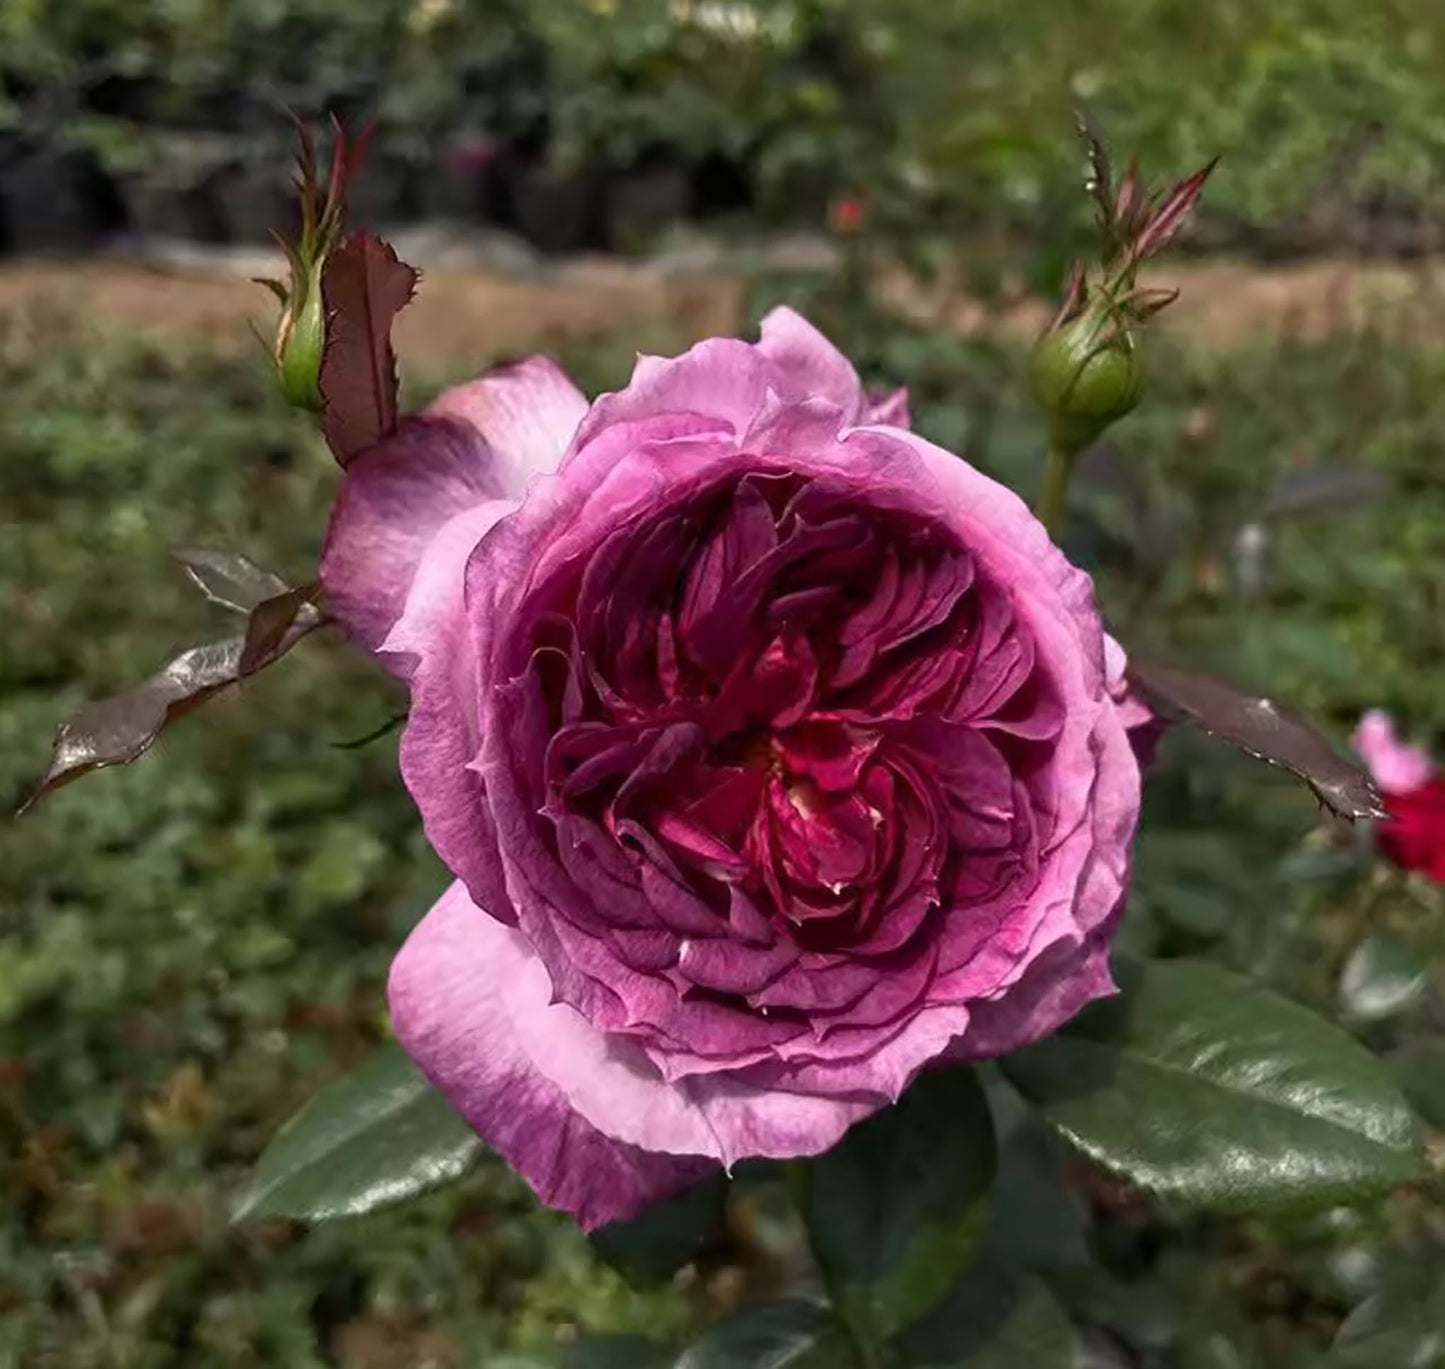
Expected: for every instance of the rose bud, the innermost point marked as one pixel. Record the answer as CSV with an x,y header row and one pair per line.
x,y
1086,371
1086,374
300,336
301,329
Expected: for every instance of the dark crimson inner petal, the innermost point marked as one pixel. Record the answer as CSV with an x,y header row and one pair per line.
x,y
781,733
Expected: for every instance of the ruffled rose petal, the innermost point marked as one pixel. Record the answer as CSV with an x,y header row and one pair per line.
x,y
889,410
478,442
393,500
1071,971
526,413
1056,986
473,1006
1146,728
808,365
720,379
454,991
433,609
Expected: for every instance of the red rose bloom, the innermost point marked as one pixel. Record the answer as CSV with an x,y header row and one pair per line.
x,y
1414,836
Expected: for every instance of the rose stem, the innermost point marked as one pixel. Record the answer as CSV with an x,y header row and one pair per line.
x,y
1054,493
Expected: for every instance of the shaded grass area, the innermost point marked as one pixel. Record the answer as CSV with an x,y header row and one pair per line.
x,y
190,946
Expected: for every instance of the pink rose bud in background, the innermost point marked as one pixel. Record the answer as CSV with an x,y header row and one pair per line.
x,y
1397,767
1414,794
778,754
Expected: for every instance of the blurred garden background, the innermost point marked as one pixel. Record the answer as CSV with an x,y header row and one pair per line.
x,y
191,946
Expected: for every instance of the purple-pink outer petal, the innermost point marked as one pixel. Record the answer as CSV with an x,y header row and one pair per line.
x,y
485,440
469,1004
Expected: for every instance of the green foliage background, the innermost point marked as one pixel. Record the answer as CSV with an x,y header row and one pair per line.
x,y
1329,113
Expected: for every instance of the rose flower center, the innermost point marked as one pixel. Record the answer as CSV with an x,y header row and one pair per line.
x,y
763,713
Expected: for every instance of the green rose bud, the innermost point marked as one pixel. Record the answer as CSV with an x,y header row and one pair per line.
x,y
1087,370
301,329
300,335
1086,373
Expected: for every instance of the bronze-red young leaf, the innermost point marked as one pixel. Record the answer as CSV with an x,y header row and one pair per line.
x,y
1264,730
1168,217
1100,182
123,728
270,622
230,578
363,287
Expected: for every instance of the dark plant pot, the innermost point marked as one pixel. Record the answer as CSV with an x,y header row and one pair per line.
x,y
640,203
557,213
179,193
384,192
493,188
252,202
446,187
54,201
158,206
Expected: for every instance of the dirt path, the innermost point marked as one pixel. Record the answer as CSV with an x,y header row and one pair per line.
x,y
1226,303
463,316
456,317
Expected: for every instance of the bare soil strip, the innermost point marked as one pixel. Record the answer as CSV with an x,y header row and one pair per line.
x,y
473,316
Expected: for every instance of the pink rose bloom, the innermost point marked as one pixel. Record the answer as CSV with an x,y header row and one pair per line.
x,y
778,754
1395,766
1414,834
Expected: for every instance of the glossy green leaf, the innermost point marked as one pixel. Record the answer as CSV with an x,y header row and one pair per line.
x,y
1199,1085
1419,1068
789,1334
1382,977
1035,1222
1193,878
992,1319
374,1138
895,1210
657,1244
617,1352
1211,1349
1399,1329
